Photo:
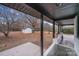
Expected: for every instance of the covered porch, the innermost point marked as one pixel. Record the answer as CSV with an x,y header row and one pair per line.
x,y
57,14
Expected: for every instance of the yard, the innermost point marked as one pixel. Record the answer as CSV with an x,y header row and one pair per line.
x,y
17,38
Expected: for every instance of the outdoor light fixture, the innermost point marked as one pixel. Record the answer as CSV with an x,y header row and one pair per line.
x,y
59,4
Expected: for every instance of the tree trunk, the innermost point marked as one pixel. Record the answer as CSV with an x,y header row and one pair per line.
x,y
33,31
48,32
6,35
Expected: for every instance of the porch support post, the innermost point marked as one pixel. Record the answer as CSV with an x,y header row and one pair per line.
x,y
58,29
76,34
61,35
41,35
53,29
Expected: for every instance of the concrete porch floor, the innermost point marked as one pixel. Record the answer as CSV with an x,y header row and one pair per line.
x,y
68,40
27,49
64,49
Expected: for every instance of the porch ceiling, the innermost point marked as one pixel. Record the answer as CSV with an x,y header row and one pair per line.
x,y
67,22
51,11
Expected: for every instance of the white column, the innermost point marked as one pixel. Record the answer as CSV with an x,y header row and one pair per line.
x,y
76,34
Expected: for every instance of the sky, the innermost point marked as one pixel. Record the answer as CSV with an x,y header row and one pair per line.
x,y
8,11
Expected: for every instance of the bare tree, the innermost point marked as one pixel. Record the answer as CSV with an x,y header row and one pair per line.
x,y
5,22
9,21
33,22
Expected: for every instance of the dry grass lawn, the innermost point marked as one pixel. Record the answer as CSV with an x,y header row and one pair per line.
x,y
17,38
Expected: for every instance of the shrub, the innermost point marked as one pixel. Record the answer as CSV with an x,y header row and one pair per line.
x,y
68,30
